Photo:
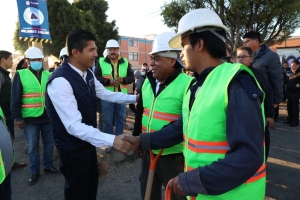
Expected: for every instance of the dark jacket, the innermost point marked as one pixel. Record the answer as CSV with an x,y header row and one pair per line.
x,y
85,96
140,108
16,101
268,61
266,87
139,80
105,82
245,135
5,92
294,79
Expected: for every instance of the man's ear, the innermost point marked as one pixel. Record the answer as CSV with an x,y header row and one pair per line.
x,y
200,45
75,52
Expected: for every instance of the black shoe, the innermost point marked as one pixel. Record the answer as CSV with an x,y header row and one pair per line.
x,y
287,122
294,125
51,170
18,165
33,179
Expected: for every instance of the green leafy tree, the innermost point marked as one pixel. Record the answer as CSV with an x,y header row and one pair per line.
x,y
276,20
103,30
19,45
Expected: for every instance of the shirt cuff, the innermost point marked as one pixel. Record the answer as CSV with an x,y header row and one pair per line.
x,y
132,98
190,183
109,139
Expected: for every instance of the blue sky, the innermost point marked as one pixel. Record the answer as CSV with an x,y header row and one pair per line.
x,y
135,18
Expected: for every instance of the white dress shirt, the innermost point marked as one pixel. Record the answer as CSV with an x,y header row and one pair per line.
x,y
65,104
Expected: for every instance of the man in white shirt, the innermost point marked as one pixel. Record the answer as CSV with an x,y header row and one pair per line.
x,y
71,96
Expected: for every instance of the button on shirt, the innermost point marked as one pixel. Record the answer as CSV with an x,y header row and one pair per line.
x,y
65,104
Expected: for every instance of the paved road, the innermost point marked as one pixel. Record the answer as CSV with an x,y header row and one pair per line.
x,y
121,181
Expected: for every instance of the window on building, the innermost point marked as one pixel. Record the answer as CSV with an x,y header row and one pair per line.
x,y
132,56
133,42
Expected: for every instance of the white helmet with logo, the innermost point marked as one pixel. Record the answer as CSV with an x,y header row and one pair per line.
x,y
112,44
198,20
161,43
34,52
63,52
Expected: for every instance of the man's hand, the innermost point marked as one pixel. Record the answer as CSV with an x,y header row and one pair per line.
x,y
114,83
297,85
122,145
134,140
270,122
275,105
20,124
175,186
120,80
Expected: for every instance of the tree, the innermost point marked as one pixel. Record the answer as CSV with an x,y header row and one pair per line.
x,y
63,18
276,20
103,30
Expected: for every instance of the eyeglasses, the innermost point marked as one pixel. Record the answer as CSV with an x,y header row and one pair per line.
x,y
242,57
246,41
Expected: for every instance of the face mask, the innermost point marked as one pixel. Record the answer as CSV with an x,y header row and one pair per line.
x,y
142,73
36,65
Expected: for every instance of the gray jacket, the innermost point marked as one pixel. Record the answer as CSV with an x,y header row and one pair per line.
x,y
268,61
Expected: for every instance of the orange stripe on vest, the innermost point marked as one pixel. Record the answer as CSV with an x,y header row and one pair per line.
x,y
36,105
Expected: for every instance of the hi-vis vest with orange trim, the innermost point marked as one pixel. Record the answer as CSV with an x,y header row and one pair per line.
x,y
2,114
33,97
106,69
204,130
165,108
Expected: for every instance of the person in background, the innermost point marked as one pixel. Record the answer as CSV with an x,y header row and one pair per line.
x,y
55,65
6,62
244,56
286,71
114,72
28,110
22,64
293,89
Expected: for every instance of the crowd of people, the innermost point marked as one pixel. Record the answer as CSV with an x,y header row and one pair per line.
x,y
204,117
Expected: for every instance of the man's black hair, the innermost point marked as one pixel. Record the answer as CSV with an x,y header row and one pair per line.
x,y
4,54
296,62
78,39
145,64
213,44
253,35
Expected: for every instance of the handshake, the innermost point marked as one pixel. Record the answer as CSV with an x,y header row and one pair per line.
x,y
126,143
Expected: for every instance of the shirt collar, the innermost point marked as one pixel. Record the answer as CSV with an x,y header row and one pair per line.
x,y
81,73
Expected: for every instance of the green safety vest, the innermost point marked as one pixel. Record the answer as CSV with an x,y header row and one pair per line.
x,y
2,114
165,108
33,97
204,128
106,69
6,149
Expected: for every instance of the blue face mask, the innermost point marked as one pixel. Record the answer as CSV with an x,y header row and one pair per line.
x,y
36,65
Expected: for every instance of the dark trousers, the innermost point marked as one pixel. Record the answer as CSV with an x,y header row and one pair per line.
x,y
132,107
167,167
276,112
5,188
80,170
10,125
293,107
267,142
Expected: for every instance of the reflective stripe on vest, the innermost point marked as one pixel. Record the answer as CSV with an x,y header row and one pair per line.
x,y
204,127
165,108
33,97
106,69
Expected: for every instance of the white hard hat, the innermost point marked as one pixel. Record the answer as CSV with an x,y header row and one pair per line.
x,y
34,52
63,52
112,43
105,53
161,43
198,20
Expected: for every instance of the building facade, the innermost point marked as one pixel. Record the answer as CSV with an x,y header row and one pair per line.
x,y
136,50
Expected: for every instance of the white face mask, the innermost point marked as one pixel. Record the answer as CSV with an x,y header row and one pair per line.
x,y
142,73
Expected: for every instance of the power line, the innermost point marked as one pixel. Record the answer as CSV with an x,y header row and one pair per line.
x,y
141,17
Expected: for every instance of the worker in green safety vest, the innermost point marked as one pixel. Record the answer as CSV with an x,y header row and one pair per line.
x,y
114,73
222,121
